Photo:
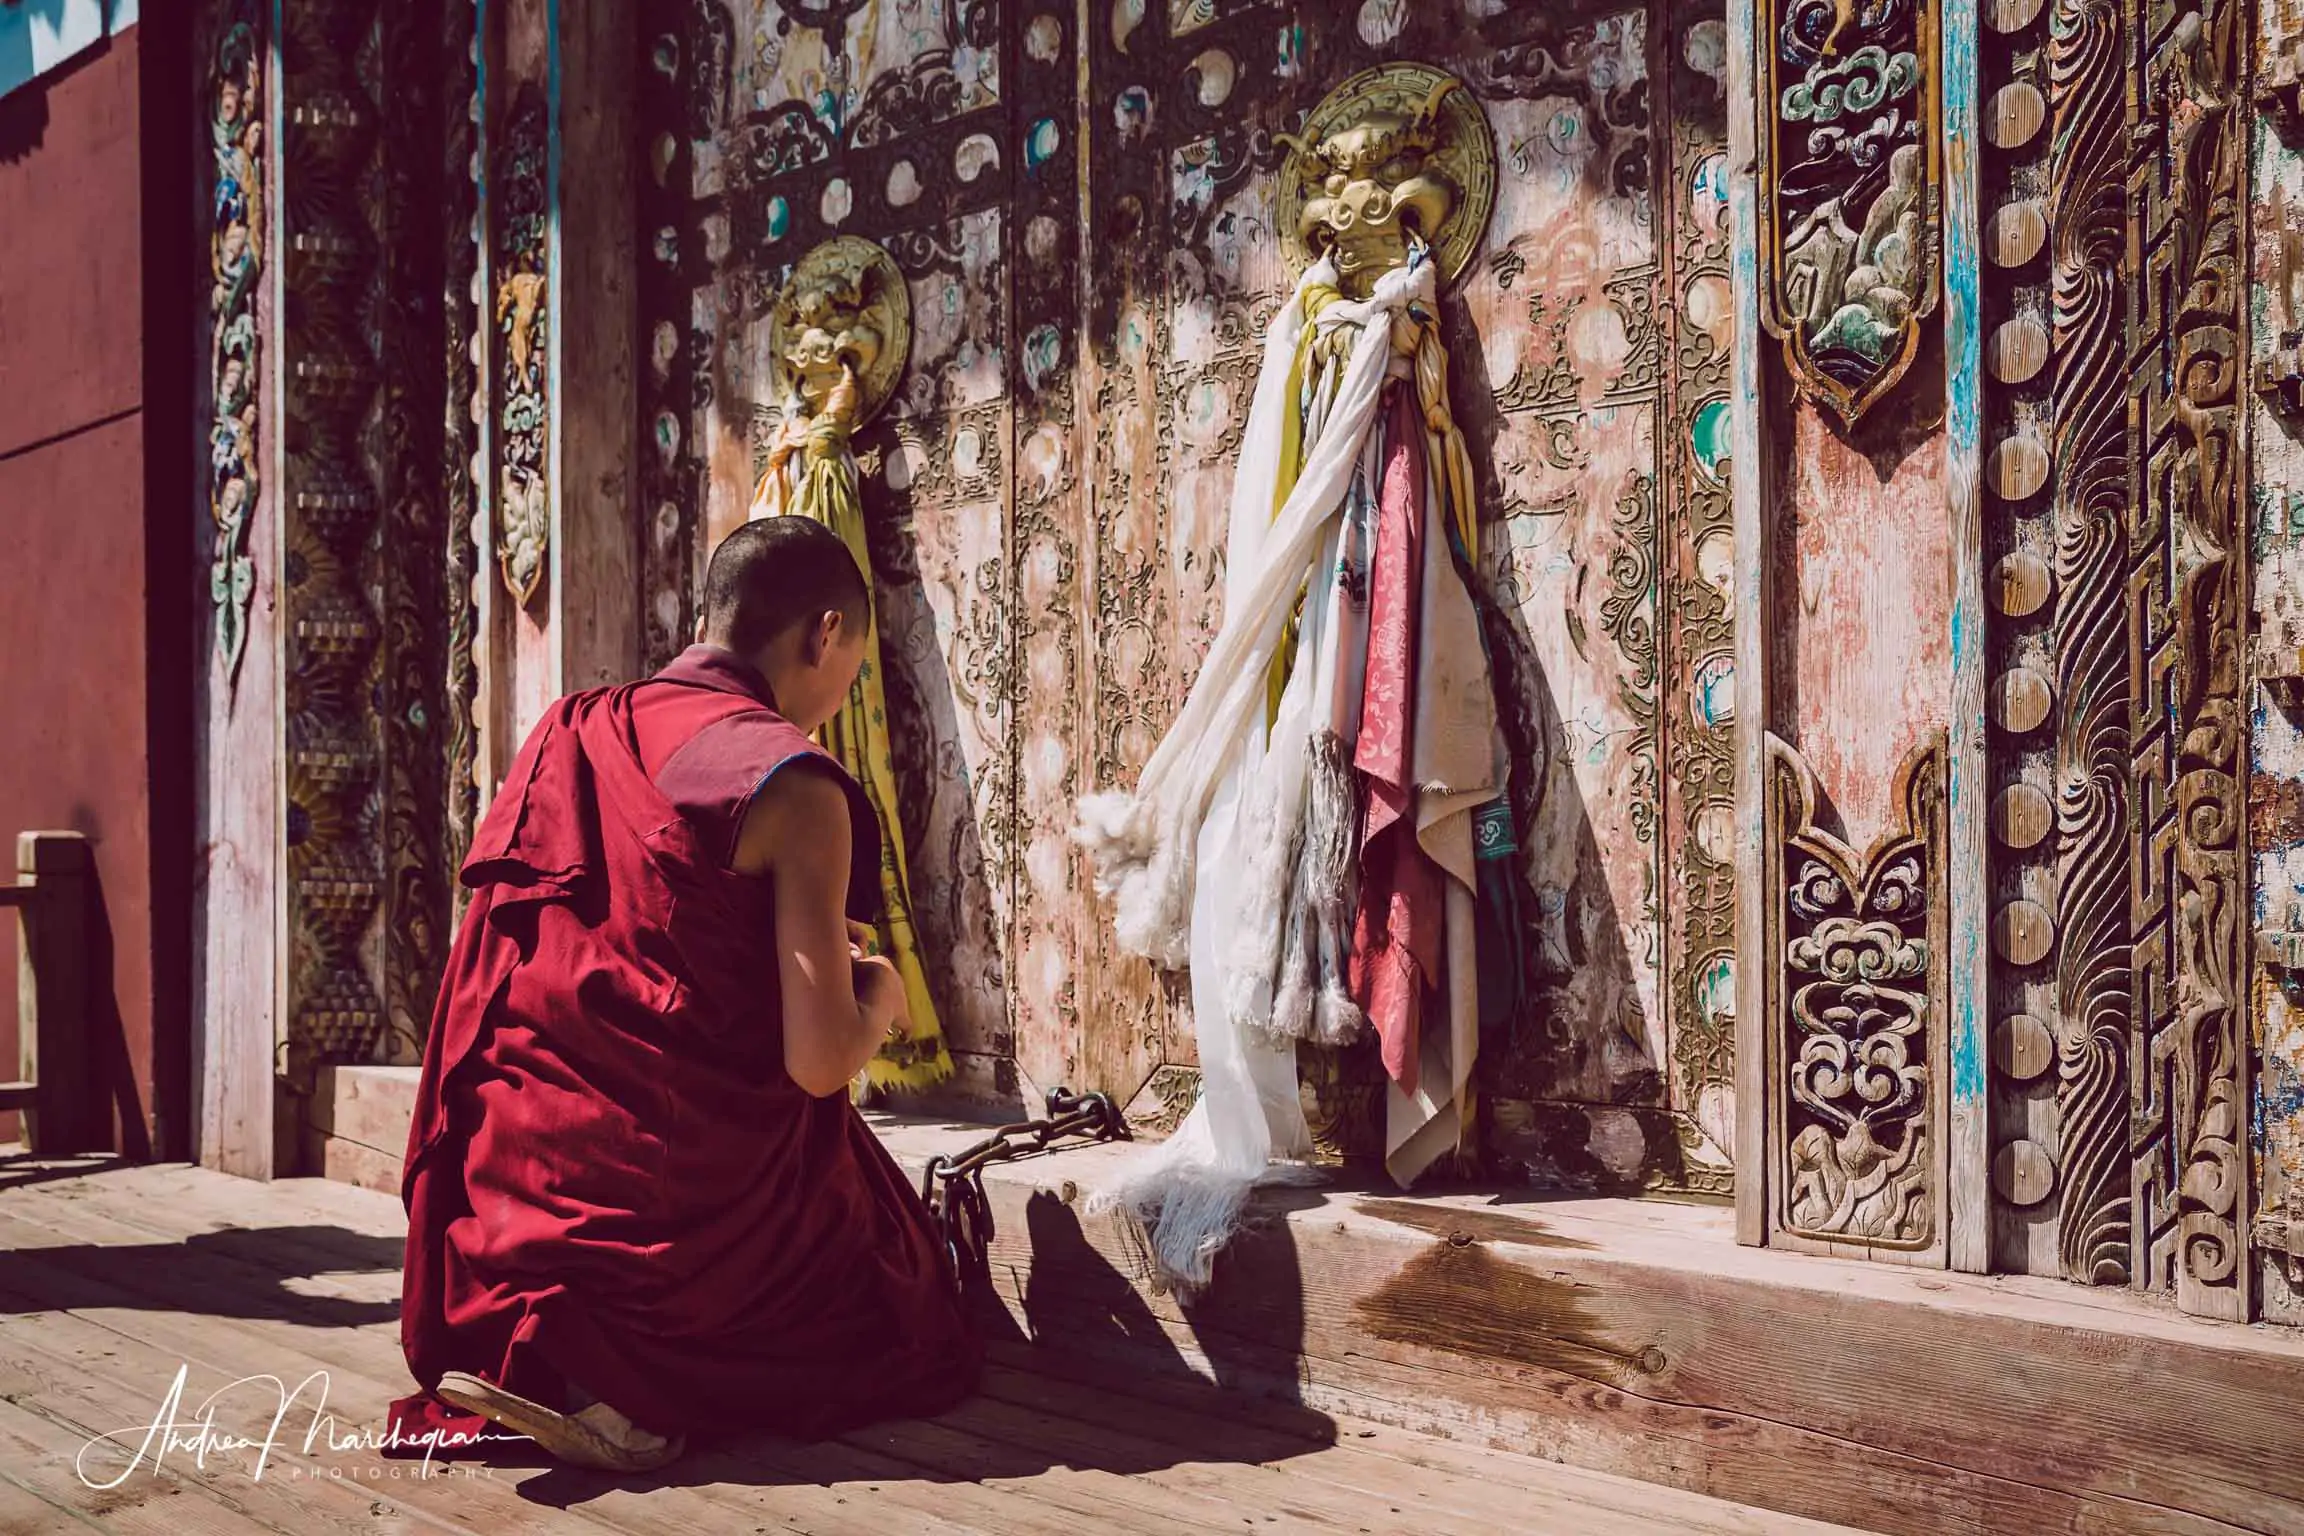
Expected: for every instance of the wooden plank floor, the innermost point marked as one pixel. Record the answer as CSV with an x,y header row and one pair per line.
x,y
115,1280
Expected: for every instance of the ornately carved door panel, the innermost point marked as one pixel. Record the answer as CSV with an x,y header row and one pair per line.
x,y
1927,731
1086,223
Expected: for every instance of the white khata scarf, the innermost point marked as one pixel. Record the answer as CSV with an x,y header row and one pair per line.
x,y
1219,860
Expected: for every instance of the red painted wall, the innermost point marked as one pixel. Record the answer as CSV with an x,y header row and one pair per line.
x,y
93,717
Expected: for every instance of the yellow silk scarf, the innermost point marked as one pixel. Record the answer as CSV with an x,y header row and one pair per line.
x,y
826,492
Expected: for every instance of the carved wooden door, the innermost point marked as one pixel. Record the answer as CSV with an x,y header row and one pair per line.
x,y
1086,222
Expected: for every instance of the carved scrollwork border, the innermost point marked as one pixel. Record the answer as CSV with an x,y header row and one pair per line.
x,y
1854,1034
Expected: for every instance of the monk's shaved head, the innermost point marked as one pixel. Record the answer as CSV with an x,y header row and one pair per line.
x,y
777,572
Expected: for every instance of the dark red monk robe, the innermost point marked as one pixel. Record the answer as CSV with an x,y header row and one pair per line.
x,y
611,1179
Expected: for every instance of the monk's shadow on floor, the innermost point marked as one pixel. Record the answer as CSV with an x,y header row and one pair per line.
x,y
254,1273
1117,1394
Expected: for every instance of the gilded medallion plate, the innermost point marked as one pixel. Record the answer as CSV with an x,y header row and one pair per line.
x,y
1398,140
845,300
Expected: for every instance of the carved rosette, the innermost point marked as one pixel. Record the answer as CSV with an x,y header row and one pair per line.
x,y
1850,136
523,419
236,261
1856,1079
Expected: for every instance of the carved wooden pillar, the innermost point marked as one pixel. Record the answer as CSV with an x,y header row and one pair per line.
x,y
512,524
1851,522
555,505
2186,590
324,909
239,1009
2042,150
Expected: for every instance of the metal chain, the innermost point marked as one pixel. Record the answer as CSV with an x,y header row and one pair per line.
x,y
953,1183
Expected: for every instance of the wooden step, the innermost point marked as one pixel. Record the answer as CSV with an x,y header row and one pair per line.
x,y
1637,1338
112,1282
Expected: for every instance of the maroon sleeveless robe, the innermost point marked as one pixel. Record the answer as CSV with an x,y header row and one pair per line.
x,y
610,1178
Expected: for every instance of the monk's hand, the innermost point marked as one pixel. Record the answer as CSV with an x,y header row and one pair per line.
x,y
880,992
863,940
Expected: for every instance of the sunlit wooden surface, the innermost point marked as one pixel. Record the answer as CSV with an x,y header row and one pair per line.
x,y
113,1279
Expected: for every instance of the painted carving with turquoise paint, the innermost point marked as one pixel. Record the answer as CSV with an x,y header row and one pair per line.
x,y
236,256
1851,188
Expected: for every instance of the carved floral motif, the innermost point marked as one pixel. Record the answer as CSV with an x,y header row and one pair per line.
x,y
523,412
2087,205
1855,1078
2185,586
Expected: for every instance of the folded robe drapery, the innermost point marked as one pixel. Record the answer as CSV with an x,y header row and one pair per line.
x,y
610,1176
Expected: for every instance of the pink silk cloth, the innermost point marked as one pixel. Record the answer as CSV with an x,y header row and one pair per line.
x,y
1397,925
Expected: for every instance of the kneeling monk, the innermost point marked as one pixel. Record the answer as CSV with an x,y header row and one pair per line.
x,y
639,1201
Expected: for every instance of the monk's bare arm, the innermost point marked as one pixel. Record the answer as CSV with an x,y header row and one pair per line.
x,y
797,833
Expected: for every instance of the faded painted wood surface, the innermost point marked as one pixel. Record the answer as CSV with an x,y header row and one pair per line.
x,y
239,896
2013,116
1754,487
595,582
1864,602
1051,485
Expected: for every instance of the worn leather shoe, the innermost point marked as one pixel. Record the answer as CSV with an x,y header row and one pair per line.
x,y
595,1436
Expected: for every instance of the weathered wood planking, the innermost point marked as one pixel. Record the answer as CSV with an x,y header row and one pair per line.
x,y
293,1278
104,1342
595,601
1651,1353
1966,780
1754,494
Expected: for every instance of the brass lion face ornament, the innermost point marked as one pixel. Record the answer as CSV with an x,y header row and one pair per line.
x,y
1378,191
1397,157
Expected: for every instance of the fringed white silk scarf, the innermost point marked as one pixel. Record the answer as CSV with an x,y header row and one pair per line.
x,y
1234,854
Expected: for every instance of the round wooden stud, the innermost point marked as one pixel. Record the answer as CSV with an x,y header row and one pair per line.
x,y
2006,16
2023,932
2022,1173
2016,234
2018,466
2021,584
2020,700
2022,1048
2022,816
2014,115
2017,350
